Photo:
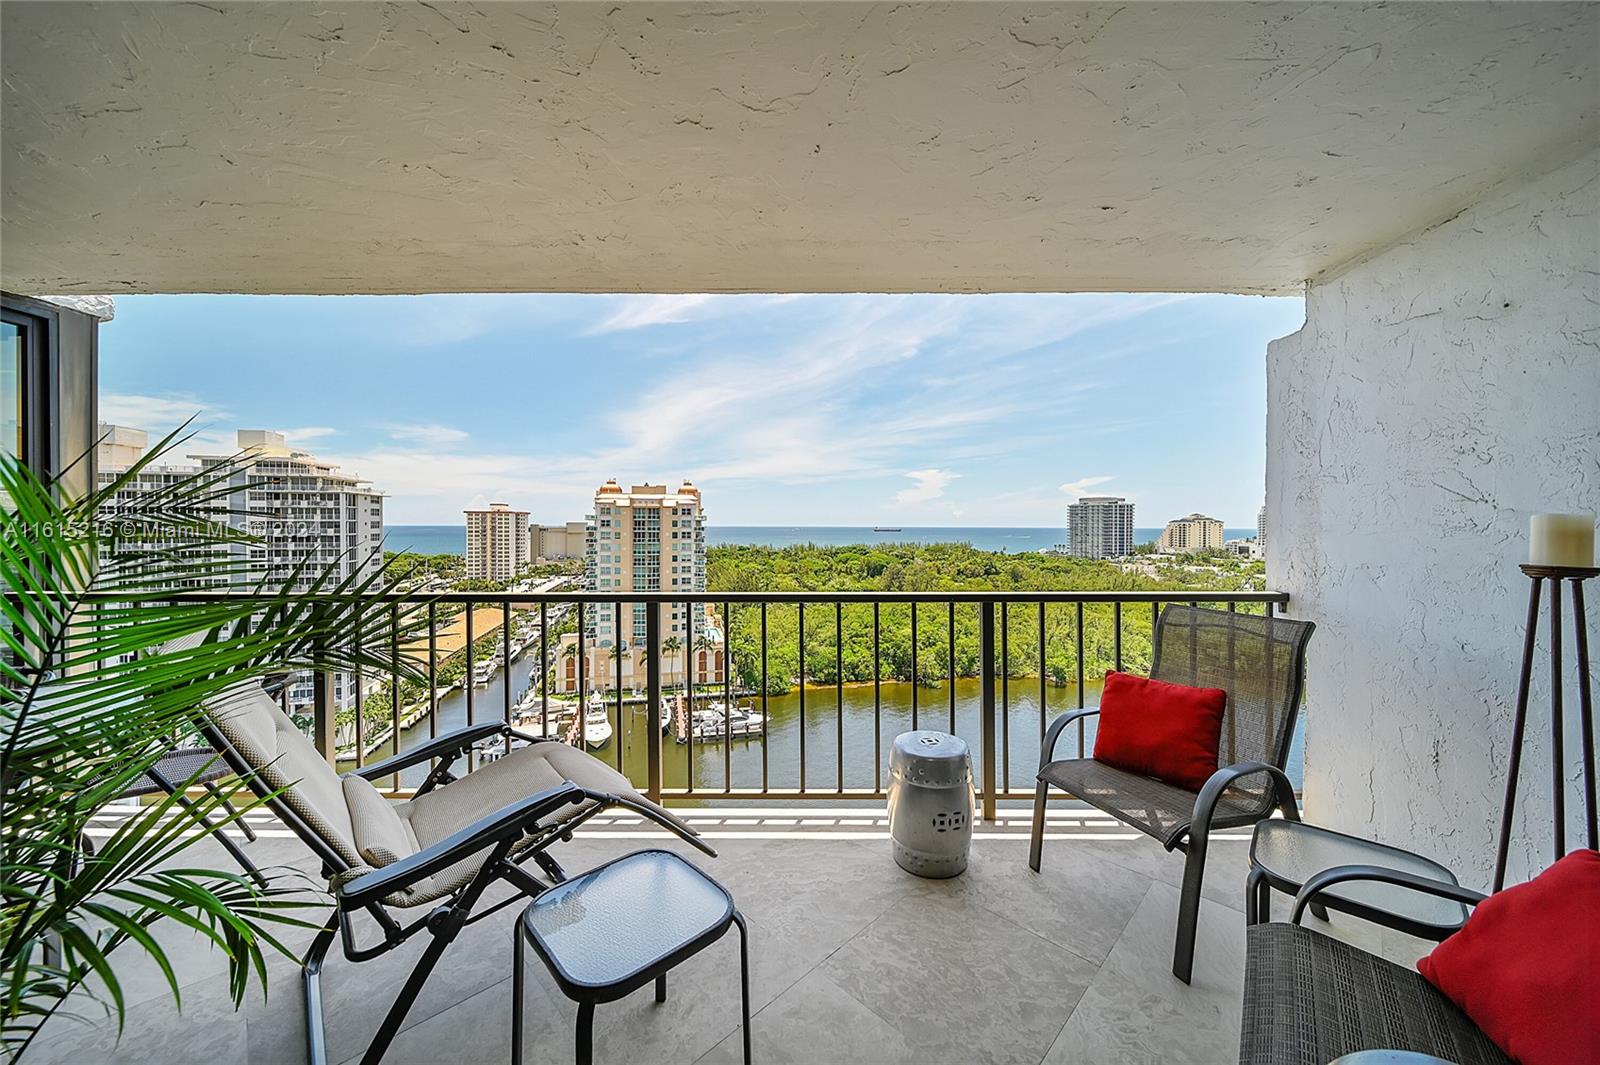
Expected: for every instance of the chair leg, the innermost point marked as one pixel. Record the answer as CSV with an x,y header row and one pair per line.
x,y
1036,841
1194,871
244,826
744,979
517,960
311,979
661,988
442,938
585,1053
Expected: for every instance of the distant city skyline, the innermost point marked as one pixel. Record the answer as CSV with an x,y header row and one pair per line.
x,y
947,411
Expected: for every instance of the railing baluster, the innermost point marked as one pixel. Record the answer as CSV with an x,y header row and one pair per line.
x,y
358,642
323,708
952,650
394,690
583,674
1043,671
1005,696
433,671
1233,738
802,627
727,695
621,647
688,687
471,674
766,716
877,700
986,671
652,715
505,661
915,680
838,678
1080,677
1116,629
545,669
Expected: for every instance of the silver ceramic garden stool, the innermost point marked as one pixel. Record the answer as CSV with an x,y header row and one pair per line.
x,y
930,803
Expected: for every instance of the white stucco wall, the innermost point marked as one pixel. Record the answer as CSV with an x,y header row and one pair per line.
x,y
1439,392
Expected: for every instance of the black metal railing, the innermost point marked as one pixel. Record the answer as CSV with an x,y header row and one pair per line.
x,y
1008,662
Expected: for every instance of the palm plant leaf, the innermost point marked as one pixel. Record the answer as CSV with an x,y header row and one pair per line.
x,y
120,616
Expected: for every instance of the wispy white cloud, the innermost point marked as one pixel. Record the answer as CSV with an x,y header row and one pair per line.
x,y
927,485
637,312
1083,485
155,413
428,435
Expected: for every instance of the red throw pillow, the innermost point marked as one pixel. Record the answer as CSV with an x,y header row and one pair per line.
x,y
1161,730
1526,965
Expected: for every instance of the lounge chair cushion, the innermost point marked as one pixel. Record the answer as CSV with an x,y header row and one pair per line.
x,y
267,739
367,830
382,836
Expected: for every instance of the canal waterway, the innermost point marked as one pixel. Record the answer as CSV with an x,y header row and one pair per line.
x,y
862,715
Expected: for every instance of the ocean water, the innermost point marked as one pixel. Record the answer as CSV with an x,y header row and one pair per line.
x,y
452,539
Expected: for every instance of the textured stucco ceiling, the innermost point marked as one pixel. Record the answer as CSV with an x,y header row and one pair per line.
x,y
285,147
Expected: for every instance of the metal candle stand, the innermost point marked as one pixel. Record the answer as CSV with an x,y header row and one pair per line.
x,y
1555,575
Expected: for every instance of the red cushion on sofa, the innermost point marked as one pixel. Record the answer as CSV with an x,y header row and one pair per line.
x,y
1526,965
1161,730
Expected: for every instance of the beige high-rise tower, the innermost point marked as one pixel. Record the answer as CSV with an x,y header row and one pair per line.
x,y
497,542
647,539
1194,533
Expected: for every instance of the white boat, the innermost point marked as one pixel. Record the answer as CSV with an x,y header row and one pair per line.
x,y
483,673
669,709
596,722
713,723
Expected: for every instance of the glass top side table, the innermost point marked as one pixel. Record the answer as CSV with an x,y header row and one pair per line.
x,y
1284,854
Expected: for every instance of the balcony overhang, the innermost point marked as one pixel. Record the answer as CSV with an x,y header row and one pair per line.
x,y
337,148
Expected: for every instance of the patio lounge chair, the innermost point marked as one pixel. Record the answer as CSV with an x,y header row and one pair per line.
x,y
1260,662
434,854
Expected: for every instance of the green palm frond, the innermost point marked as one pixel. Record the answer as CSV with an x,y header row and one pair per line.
x,y
121,614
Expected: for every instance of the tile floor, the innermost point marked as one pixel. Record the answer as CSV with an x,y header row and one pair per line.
x,y
853,960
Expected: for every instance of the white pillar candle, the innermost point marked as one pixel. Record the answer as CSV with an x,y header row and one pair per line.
x,y
1561,540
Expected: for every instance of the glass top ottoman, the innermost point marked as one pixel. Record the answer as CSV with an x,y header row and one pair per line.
x,y
1285,854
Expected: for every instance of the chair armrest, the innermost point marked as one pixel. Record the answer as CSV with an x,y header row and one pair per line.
x,y
1341,874
450,743
1205,804
1048,749
506,823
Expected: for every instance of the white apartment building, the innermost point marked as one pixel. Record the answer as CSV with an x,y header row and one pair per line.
x,y
304,511
498,544
1100,527
1261,531
649,538
1193,533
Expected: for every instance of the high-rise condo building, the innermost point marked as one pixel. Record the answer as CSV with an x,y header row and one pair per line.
x,y
647,539
1100,527
1261,532
497,543
1193,533
551,542
303,511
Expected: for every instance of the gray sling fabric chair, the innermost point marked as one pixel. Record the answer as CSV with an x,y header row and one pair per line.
x,y
434,854
1260,662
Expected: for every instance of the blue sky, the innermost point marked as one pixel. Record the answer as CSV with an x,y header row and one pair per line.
x,y
811,410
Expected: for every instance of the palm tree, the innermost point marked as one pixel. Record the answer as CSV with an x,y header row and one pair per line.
x,y
92,693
